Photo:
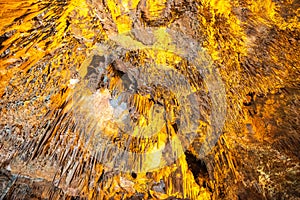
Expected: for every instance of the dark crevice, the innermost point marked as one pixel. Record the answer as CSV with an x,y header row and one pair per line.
x,y
197,166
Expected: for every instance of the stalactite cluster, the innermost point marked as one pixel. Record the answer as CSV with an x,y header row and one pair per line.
x,y
149,99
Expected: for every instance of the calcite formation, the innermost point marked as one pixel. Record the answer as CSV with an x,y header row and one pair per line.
x,y
149,99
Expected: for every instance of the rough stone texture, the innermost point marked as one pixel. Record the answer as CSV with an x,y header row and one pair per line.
x,y
255,46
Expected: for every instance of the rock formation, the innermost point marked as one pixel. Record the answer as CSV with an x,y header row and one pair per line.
x,y
145,99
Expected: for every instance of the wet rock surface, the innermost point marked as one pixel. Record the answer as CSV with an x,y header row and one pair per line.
x,y
44,48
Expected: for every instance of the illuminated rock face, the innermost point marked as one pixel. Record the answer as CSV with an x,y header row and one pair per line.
x,y
125,99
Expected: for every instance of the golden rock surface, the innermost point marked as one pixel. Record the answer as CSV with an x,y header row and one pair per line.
x,y
149,99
